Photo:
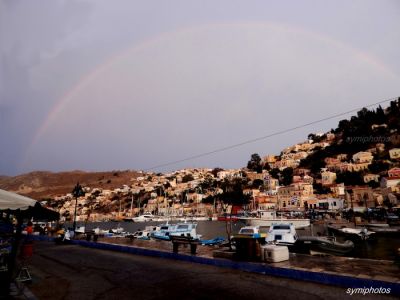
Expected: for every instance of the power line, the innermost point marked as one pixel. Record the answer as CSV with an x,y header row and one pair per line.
x,y
265,136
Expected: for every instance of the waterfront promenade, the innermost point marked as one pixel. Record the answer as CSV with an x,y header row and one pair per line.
x,y
74,272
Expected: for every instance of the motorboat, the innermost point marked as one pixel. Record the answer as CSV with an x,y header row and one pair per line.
x,y
144,234
146,217
118,230
186,229
250,231
322,245
163,232
284,234
353,233
80,229
266,218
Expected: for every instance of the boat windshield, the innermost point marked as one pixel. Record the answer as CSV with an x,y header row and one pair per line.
x,y
281,227
183,226
246,231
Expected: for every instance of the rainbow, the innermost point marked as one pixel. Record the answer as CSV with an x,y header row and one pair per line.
x,y
87,78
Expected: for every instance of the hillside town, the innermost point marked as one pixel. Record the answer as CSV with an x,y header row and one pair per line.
x,y
353,168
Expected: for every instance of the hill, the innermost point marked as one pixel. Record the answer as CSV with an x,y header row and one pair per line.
x,y
42,184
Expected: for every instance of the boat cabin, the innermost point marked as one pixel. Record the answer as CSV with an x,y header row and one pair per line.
x,y
282,234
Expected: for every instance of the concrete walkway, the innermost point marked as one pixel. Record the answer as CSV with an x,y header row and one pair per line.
x,y
74,272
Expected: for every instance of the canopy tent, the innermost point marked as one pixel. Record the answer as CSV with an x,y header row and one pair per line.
x,y
25,207
22,208
12,201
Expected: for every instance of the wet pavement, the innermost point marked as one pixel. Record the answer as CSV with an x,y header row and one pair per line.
x,y
355,267
74,272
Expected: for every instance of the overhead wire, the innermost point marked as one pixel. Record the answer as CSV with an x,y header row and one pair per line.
x,y
222,149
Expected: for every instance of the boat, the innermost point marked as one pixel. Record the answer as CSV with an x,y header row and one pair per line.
x,y
146,217
266,218
216,241
227,218
250,231
353,233
186,229
322,245
80,229
118,230
284,234
163,232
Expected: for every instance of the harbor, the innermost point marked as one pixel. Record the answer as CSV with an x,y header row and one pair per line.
x,y
384,247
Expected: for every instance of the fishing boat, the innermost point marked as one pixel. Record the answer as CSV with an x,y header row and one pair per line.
x,y
266,218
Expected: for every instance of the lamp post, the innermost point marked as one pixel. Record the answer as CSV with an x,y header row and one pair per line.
x,y
77,192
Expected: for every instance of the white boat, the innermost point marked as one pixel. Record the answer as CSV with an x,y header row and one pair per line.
x,y
265,218
118,230
353,233
282,234
163,232
251,231
80,229
144,234
146,217
186,229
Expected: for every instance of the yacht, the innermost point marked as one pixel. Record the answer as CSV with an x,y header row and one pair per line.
x,y
266,218
146,217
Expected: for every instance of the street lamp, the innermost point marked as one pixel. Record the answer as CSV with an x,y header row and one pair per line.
x,y
77,192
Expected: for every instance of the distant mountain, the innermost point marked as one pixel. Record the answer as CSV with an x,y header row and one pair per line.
x,y
42,184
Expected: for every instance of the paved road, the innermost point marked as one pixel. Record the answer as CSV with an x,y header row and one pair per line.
x,y
74,272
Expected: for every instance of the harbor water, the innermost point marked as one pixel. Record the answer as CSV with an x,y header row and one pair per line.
x,y
384,247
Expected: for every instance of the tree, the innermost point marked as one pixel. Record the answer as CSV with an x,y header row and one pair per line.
x,y
254,163
215,171
287,176
378,166
275,173
350,178
187,178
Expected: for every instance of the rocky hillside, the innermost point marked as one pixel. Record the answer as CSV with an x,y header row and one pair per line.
x,y
41,185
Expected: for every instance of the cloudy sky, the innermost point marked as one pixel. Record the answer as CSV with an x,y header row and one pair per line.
x,y
105,85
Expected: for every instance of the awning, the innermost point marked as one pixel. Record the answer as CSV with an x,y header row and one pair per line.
x,y
12,201
25,206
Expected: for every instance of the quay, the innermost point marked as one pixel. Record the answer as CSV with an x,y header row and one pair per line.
x,y
211,278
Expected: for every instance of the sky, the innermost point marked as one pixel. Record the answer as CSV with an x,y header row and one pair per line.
x,y
113,85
